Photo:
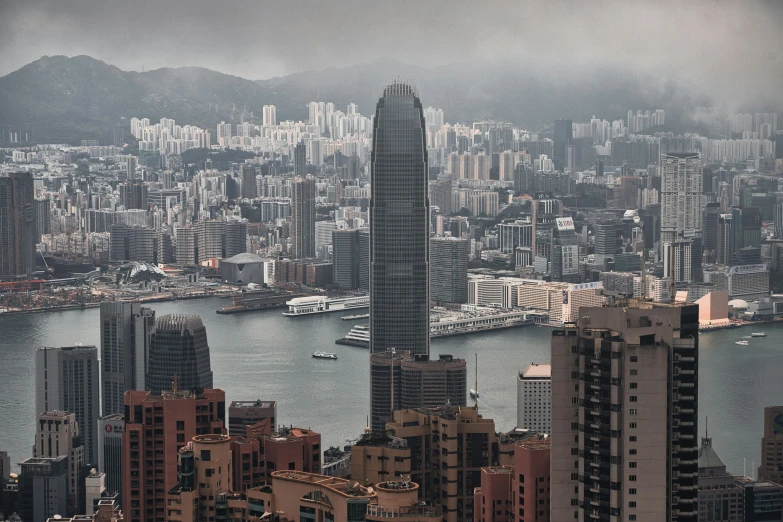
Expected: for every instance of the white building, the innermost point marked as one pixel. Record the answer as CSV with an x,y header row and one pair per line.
x,y
534,398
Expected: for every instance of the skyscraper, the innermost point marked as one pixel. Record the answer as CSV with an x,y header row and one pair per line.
x,y
399,237
771,467
178,347
449,269
534,398
110,430
66,379
248,175
345,258
43,488
17,226
624,414
399,225
57,434
564,131
300,160
682,197
270,115
126,329
303,218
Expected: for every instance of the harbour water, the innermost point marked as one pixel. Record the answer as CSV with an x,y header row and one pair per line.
x,y
268,356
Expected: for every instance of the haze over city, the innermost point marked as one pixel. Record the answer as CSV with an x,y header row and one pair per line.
x,y
361,261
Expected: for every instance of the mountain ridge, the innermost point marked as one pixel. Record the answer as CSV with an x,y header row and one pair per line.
x,y
68,99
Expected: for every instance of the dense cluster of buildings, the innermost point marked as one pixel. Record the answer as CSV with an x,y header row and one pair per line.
x,y
625,240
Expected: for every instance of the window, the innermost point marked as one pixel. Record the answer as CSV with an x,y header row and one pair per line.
x,y
632,491
633,398
632,504
632,425
633,385
634,372
632,451
180,425
632,478
634,411
632,438
631,517
632,464
205,455
574,451
634,358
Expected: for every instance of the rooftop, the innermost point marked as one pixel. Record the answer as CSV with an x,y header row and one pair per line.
x,y
244,258
340,486
258,403
536,371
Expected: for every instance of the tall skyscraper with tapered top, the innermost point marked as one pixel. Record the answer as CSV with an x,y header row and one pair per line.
x,y
399,234
399,229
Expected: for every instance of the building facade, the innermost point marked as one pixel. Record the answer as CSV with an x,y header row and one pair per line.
x,y
449,269
179,348
303,194
624,414
126,332
67,379
17,226
534,398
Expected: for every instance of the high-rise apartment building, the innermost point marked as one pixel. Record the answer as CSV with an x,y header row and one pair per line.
x,y
126,331
178,347
440,195
771,467
156,429
269,115
17,226
710,218
242,414
440,449
449,269
110,430
399,225
534,398
67,380
127,243
624,414
347,259
57,435
682,196
303,194
248,174
400,380
300,160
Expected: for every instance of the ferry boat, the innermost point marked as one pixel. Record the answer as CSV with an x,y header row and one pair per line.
x,y
355,317
359,336
324,355
758,334
742,342
318,304
474,394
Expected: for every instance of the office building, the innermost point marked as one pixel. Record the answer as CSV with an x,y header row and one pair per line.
x,y
399,225
624,414
513,234
126,331
565,252
323,238
17,226
562,138
178,347
110,430
710,226
771,466
57,435
485,290
534,398
748,282
303,194
400,380
440,449
724,246
67,379
348,259
682,196
449,269
721,496
563,301
440,195
608,242
246,413
43,488
163,424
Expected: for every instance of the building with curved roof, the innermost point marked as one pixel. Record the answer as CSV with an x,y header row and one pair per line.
x,y
246,268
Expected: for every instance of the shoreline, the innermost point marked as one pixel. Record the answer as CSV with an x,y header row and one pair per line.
x,y
86,306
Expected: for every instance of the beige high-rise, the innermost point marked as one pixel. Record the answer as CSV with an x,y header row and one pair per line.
x,y
624,410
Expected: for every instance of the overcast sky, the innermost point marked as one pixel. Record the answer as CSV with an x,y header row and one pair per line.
x,y
734,48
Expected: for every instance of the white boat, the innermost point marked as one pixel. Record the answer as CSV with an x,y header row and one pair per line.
x,y
758,334
324,355
742,343
473,393
318,304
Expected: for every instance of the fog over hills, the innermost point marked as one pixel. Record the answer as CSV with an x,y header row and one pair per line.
x,y
69,99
